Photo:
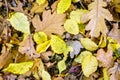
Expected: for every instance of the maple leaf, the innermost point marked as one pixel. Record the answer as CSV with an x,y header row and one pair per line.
x,y
96,16
115,33
27,46
115,72
50,23
105,58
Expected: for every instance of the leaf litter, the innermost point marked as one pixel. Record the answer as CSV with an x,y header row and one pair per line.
x,y
59,40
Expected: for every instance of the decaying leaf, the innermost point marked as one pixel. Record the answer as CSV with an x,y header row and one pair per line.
x,y
57,44
27,46
20,22
115,72
105,58
89,65
51,23
88,44
96,16
63,5
115,33
19,68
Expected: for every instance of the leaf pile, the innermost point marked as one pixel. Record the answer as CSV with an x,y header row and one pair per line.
x,y
60,40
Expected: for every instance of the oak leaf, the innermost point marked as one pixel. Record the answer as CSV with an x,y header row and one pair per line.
x,y
105,58
50,23
96,16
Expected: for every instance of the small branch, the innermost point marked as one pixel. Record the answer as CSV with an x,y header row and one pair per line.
x,y
6,4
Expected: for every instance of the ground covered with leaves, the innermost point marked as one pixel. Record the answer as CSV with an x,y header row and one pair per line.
x,y
59,40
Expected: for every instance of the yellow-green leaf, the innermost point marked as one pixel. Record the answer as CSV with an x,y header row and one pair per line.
x,y
89,65
57,44
71,26
105,74
61,65
63,5
20,22
19,68
88,44
45,75
43,46
40,37
81,56
77,14
40,1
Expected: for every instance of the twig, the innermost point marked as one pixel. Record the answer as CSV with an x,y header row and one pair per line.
x,y
6,4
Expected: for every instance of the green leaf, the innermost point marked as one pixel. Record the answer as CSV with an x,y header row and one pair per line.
x,y
43,47
89,65
105,75
57,44
82,56
45,75
77,14
19,68
61,65
88,44
71,26
40,1
20,22
63,5
40,37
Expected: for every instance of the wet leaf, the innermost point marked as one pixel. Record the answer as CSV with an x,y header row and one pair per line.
x,y
88,44
57,44
82,56
19,68
63,5
40,37
20,22
89,65
105,58
71,26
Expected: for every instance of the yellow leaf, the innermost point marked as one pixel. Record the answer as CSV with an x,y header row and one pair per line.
x,y
89,65
45,75
105,74
57,44
43,47
71,26
77,14
102,42
19,68
40,37
61,65
40,1
88,44
63,5
81,56
20,22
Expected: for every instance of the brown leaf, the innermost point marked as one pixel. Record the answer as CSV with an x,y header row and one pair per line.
x,y
96,16
105,58
27,46
51,23
45,56
115,72
115,33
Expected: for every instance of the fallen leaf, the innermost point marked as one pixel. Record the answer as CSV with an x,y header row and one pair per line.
x,y
71,26
19,68
96,16
89,65
51,23
105,58
63,5
88,44
45,75
76,45
61,65
20,22
115,33
114,72
105,74
57,44
40,1
27,46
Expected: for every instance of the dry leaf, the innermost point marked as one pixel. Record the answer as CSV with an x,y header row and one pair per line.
x,y
45,56
105,58
115,72
51,23
96,16
27,46
115,33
